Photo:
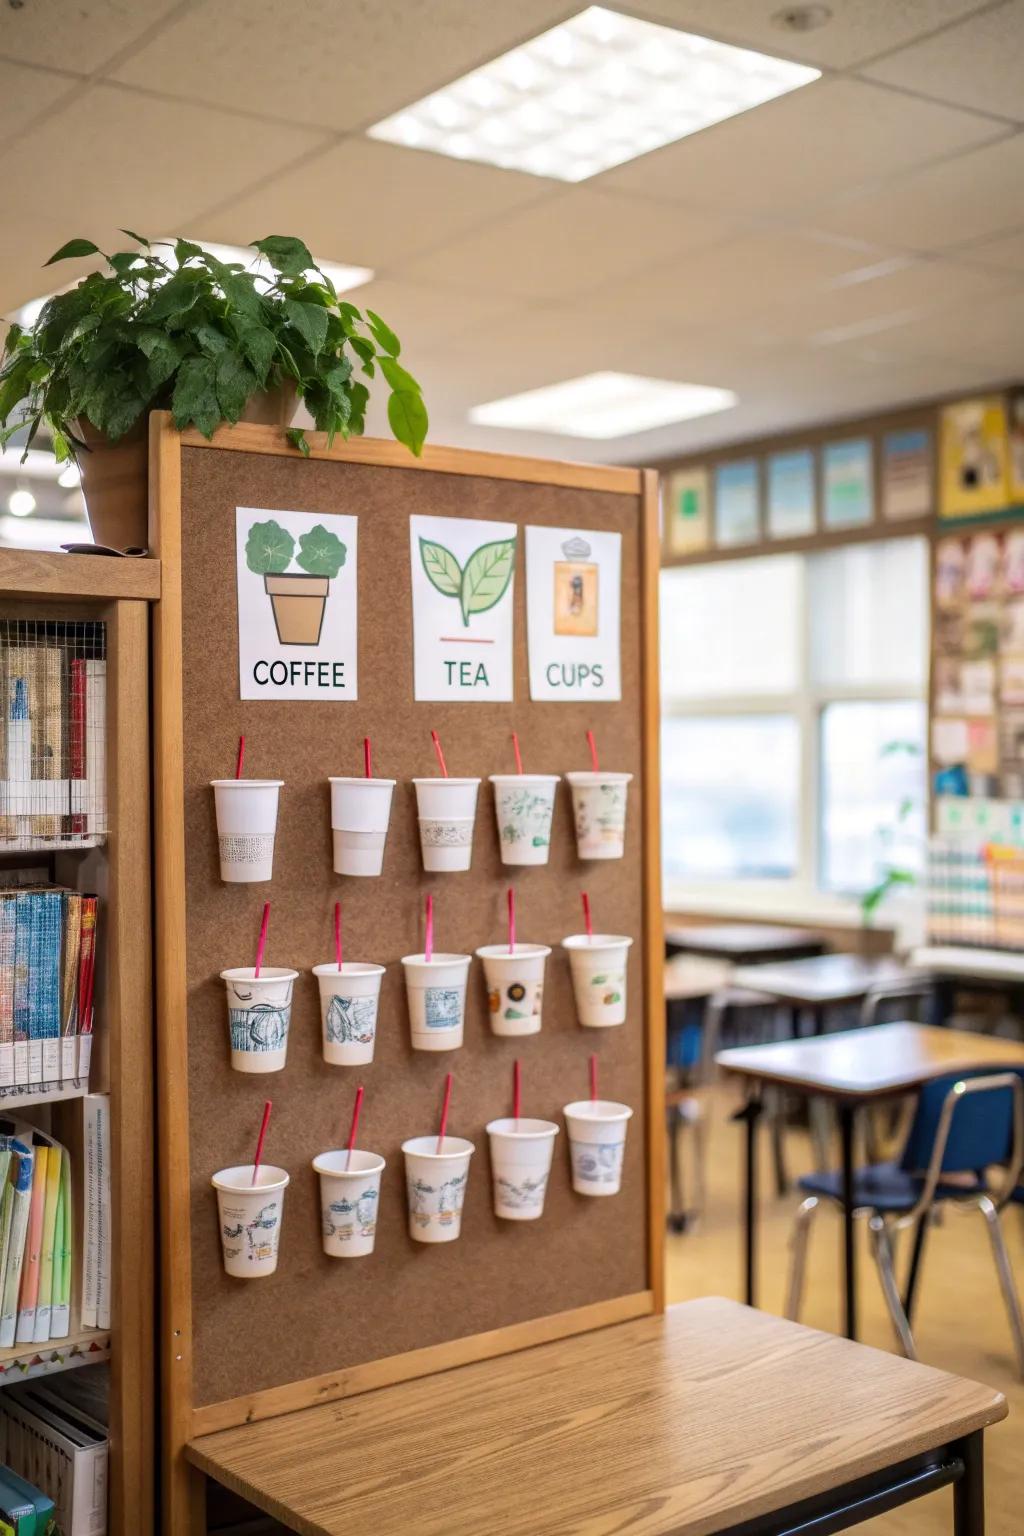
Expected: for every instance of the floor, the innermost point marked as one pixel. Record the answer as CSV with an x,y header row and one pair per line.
x,y
960,1322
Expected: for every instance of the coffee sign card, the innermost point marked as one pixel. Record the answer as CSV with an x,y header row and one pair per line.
x,y
573,581
463,571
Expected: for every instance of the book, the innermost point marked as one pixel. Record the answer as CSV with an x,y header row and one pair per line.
x,y
96,746
22,963
44,1304
86,982
29,1293
60,1317
45,987
43,1518
69,988
63,1450
96,1254
19,1187
7,927
76,740
16,1509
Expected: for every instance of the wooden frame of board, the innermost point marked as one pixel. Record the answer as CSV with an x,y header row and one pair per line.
x,y
184,1415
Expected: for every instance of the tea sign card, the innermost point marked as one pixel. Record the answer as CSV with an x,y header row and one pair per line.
x,y
297,620
572,613
462,583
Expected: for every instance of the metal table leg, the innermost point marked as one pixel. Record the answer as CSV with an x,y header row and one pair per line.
x,y
969,1490
846,1114
750,1113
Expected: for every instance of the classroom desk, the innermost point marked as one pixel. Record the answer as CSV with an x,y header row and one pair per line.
x,y
823,982
744,943
986,970
711,1418
850,1068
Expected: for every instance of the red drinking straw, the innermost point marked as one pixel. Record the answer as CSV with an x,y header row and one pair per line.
x,y
444,1113
261,946
592,744
240,762
517,1089
435,738
357,1106
586,916
511,921
515,749
593,1079
428,947
337,932
260,1140
367,758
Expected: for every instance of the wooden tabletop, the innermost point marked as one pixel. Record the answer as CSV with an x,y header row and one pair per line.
x,y
823,978
962,960
742,941
679,1425
690,977
870,1063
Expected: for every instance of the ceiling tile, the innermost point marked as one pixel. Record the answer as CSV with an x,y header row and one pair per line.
x,y
25,94
80,36
383,203
428,318
974,64
990,331
809,145
1007,251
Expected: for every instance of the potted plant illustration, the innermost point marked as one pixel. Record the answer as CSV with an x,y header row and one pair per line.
x,y
298,598
169,326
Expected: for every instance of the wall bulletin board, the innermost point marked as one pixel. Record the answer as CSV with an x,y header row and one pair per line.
x,y
320,1328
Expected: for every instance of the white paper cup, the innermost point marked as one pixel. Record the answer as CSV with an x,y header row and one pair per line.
x,y
349,1197
436,992
246,824
360,811
515,986
523,806
520,1164
599,810
435,1185
249,1216
598,967
447,811
597,1144
348,1010
259,1013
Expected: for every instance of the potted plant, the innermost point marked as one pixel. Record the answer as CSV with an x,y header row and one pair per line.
x,y
298,598
209,340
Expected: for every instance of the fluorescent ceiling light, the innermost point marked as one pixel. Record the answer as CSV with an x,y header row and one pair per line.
x,y
21,503
593,92
603,405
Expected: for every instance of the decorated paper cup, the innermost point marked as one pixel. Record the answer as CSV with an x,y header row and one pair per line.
x,y
599,810
250,1218
259,1013
360,811
598,967
246,825
436,992
520,1164
597,1144
523,806
515,986
348,1010
447,811
435,1183
349,1196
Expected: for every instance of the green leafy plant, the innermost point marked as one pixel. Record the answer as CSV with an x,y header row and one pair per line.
x,y
200,337
480,584
269,550
890,875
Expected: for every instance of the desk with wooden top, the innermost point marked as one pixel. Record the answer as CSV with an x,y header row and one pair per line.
x,y
744,943
851,1068
710,1418
988,970
825,981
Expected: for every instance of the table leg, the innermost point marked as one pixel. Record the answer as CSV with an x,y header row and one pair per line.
x,y
969,1490
846,1114
750,1113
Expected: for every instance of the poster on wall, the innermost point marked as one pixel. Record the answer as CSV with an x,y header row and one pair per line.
x,y
907,474
791,499
462,584
846,471
687,512
736,509
297,618
573,595
973,457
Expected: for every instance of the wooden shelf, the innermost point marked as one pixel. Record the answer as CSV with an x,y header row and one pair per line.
x,y
40,573
84,1346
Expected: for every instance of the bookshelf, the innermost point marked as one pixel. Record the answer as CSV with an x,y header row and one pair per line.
x,y
42,586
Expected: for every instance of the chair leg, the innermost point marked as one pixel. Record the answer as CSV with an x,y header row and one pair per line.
x,y
1009,1289
677,1213
798,1256
881,1244
700,1160
821,1122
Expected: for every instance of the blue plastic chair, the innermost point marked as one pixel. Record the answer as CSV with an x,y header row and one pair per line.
x,y
963,1127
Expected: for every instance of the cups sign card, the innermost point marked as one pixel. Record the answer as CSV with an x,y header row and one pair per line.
x,y
297,620
462,580
572,613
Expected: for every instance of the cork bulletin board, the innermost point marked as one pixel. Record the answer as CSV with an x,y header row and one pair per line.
x,y
320,1327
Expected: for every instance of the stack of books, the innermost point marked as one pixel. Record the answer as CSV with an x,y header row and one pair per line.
x,y
36,1229
50,1440
47,976
24,1509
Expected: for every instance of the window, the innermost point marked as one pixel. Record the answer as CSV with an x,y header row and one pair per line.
x,y
794,725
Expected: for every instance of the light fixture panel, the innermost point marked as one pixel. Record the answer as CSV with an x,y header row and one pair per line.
x,y
603,405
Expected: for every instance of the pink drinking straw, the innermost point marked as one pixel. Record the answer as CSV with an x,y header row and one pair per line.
x,y
444,1113
240,762
593,1079
511,921
517,1090
260,1140
435,738
262,944
367,758
357,1106
586,916
337,932
428,947
592,744
515,749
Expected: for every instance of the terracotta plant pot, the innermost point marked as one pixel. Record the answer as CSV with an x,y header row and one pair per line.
x,y
298,602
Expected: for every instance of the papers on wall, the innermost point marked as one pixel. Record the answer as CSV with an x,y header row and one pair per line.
x,y
907,474
791,498
573,597
846,473
686,512
463,572
973,457
736,503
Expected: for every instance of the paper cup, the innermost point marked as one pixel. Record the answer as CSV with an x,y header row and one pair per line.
x,y
259,1013
520,1164
598,967
360,811
246,823
523,806
515,986
436,991
447,810
435,1184
349,1197
599,810
348,1011
597,1144
250,1218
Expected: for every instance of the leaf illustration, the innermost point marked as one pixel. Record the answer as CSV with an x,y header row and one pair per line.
x,y
486,577
443,570
268,549
321,553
